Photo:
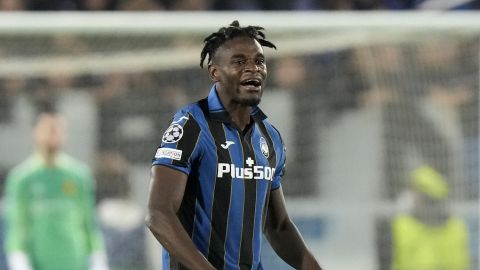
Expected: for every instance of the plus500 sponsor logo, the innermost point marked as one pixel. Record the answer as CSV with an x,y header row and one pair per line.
x,y
255,172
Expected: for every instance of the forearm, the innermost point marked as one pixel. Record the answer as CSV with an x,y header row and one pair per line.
x,y
289,245
168,230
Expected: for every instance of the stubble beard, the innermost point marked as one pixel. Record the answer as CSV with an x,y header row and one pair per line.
x,y
247,101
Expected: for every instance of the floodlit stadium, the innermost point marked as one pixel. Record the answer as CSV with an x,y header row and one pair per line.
x,y
362,100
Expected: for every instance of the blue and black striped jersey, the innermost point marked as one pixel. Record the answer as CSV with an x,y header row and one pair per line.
x,y
230,176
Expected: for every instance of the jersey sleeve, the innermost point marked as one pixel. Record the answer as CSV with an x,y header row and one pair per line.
x,y
280,169
16,217
179,145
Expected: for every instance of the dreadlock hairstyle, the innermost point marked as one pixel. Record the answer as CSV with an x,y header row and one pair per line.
x,y
217,39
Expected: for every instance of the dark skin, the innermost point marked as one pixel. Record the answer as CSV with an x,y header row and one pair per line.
x,y
237,61
234,63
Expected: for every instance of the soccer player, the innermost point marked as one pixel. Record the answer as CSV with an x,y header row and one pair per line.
x,y
50,214
216,177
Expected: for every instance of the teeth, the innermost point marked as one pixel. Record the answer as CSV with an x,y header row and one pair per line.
x,y
254,82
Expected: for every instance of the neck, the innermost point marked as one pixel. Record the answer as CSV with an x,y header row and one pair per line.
x,y
48,157
240,115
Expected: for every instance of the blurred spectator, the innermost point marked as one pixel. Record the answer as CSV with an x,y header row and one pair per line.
x,y
429,237
140,5
236,5
448,91
311,92
468,113
10,88
190,5
347,4
185,5
68,44
411,137
98,5
13,5
122,220
51,5
129,118
289,76
431,4
111,172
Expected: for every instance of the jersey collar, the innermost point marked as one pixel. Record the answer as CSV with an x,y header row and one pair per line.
x,y
217,110
37,159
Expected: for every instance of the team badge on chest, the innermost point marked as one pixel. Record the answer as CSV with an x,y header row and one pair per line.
x,y
264,147
69,188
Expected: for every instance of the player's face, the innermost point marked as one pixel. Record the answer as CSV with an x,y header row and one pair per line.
x,y
240,70
50,133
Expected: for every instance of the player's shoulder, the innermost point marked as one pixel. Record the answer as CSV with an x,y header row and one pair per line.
x,y
191,113
456,222
273,131
24,169
191,109
74,166
405,221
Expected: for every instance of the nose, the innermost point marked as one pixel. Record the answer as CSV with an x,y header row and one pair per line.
x,y
251,65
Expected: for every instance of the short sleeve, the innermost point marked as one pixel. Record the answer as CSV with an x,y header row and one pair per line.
x,y
179,144
280,169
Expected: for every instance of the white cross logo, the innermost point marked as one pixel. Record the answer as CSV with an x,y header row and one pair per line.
x,y
249,161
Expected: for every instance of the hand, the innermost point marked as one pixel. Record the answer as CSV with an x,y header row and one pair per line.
x,y
98,261
18,260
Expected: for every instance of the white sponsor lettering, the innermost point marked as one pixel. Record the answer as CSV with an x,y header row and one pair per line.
x,y
255,172
170,153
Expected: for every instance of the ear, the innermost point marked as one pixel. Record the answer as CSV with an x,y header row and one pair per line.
x,y
213,72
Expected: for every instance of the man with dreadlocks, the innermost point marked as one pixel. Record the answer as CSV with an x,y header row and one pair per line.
x,y
216,175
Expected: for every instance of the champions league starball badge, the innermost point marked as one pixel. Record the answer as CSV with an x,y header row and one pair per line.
x,y
173,134
264,147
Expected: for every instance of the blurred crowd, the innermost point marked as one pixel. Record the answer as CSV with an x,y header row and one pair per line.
x,y
180,5
129,109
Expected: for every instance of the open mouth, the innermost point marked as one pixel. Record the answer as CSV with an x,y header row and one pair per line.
x,y
252,83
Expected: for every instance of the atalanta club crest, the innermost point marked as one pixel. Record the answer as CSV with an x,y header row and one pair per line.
x,y
264,147
173,134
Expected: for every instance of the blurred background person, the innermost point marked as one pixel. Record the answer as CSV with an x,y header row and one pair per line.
x,y
429,237
13,5
121,218
50,215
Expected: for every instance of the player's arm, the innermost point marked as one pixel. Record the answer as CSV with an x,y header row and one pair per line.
x,y
16,226
166,192
283,235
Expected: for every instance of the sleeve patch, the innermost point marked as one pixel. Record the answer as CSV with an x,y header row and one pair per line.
x,y
170,153
173,134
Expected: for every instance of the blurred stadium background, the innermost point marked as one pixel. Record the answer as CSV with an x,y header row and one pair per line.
x,y
360,98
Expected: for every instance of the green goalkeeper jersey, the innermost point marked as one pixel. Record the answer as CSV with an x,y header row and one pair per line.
x,y
50,214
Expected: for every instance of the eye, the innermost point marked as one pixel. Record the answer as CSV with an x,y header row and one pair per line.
x,y
239,62
260,61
